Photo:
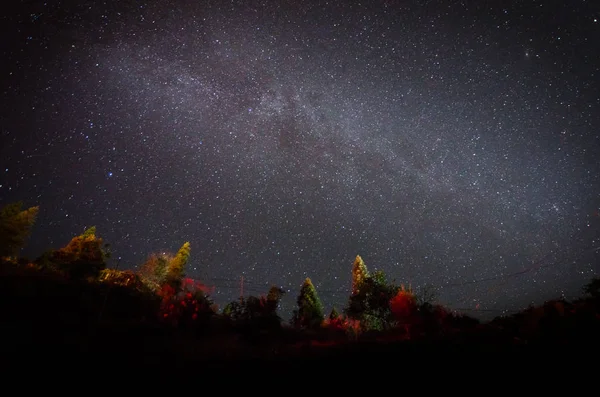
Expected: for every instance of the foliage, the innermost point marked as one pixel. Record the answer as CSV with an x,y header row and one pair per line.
x,y
125,278
593,288
334,314
44,261
370,302
425,294
359,274
175,269
273,298
310,309
335,322
234,310
164,268
153,271
260,312
15,227
374,303
187,307
404,307
89,232
84,256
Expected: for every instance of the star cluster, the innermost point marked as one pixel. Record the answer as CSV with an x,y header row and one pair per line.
x,y
450,143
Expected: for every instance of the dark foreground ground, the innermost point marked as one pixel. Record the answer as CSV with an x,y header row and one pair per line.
x,y
53,329
96,350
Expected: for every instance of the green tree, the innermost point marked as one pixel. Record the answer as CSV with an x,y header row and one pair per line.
x,y
175,269
15,227
235,310
359,274
310,309
370,303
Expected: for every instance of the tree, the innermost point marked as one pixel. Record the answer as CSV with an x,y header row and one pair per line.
x,y
153,271
426,295
84,256
593,288
334,315
190,306
371,295
256,312
175,269
234,310
310,309
403,305
359,274
334,321
15,228
273,298
124,278
89,232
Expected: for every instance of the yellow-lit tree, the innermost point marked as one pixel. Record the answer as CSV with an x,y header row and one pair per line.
x,y
175,269
84,256
125,278
369,301
359,274
15,228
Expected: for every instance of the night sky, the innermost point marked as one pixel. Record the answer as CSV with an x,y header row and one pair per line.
x,y
450,143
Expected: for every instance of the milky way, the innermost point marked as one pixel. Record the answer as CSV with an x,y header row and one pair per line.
x,y
451,144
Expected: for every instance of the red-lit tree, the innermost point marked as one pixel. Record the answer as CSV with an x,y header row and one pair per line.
x,y
334,320
187,307
403,305
404,308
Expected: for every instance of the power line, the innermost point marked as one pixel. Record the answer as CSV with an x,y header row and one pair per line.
x,y
535,266
262,287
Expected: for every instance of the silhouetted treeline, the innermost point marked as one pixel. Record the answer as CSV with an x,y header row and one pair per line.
x,y
67,297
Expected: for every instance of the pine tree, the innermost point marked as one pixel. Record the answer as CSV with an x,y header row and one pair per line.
x,y
175,270
310,309
359,274
335,321
334,315
15,228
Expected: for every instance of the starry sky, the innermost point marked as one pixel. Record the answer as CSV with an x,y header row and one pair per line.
x,y
449,143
